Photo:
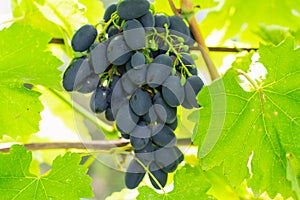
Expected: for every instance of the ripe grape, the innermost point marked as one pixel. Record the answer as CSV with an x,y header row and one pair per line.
x,y
99,58
138,60
126,119
118,53
134,174
138,76
134,34
163,136
140,102
147,20
159,70
164,112
173,91
159,174
109,11
161,21
71,73
84,38
131,9
98,102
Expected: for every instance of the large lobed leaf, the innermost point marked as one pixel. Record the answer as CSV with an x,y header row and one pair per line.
x,y
189,183
261,127
24,59
66,180
240,19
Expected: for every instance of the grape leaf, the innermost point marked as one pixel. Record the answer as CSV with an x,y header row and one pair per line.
x,y
24,60
162,6
66,180
94,10
236,18
67,14
26,12
260,127
189,183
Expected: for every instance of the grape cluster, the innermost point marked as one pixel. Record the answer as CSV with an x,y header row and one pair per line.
x,y
140,70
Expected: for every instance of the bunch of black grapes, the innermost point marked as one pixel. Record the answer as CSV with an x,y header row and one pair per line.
x,y
140,70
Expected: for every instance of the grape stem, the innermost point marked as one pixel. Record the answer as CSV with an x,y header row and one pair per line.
x,y
171,48
78,108
187,6
110,145
150,174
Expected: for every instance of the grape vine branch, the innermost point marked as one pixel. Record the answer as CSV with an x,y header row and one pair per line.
x,y
95,145
213,49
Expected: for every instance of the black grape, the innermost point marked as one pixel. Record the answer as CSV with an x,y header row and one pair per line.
x,y
138,60
128,86
178,26
134,174
147,20
179,154
193,70
71,73
173,125
128,66
196,83
109,11
112,30
134,34
159,174
109,115
114,81
163,136
118,98
142,130
150,116
118,53
167,158
188,60
98,102
99,58
90,84
159,70
192,86
126,120
138,76
161,21
130,9
77,74
145,155
173,91
164,112
84,38
125,135
138,143
140,102
190,64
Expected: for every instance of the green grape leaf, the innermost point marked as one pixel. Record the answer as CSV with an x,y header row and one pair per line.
x,y
259,128
53,16
67,14
94,10
163,6
24,59
26,12
66,180
240,19
189,183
